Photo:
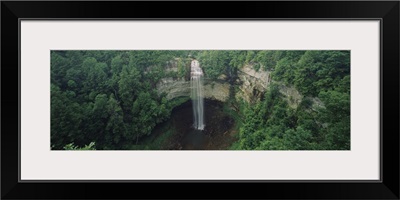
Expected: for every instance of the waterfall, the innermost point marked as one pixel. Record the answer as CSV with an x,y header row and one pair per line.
x,y
196,83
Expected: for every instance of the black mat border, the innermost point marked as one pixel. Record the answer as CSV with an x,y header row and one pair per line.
x,y
387,12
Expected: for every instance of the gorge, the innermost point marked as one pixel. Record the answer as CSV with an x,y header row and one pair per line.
x,y
200,99
208,99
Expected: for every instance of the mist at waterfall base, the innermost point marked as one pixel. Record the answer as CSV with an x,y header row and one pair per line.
x,y
196,84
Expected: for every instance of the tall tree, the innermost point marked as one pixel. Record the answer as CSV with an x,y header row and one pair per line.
x,y
115,126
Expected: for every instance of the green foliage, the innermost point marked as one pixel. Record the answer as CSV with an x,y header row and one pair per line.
x,y
115,125
110,97
147,113
265,120
321,70
272,125
214,63
337,117
183,67
65,117
153,142
175,102
71,146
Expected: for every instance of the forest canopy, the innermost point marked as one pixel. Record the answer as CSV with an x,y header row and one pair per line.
x,y
108,100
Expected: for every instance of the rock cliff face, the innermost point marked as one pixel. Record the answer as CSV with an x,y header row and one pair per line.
x,y
174,87
216,91
250,84
291,95
181,87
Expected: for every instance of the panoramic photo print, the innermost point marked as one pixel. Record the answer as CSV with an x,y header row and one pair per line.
x,y
200,100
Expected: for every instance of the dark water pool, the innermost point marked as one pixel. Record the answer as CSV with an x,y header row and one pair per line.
x,y
218,133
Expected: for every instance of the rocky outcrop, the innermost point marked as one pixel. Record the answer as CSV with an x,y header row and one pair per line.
x,y
174,87
181,88
216,90
252,84
290,94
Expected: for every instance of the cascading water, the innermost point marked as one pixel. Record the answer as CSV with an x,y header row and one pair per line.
x,y
196,83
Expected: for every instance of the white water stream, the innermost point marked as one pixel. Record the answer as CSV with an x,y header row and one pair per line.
x,y
196,83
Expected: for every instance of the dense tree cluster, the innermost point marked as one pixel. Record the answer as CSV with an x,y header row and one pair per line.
x,y
272,125
107,99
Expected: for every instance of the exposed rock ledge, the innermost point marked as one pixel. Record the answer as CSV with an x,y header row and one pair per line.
x,y
251,84
180,88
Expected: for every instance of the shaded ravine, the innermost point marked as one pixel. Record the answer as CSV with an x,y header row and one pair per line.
x,y
217,135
